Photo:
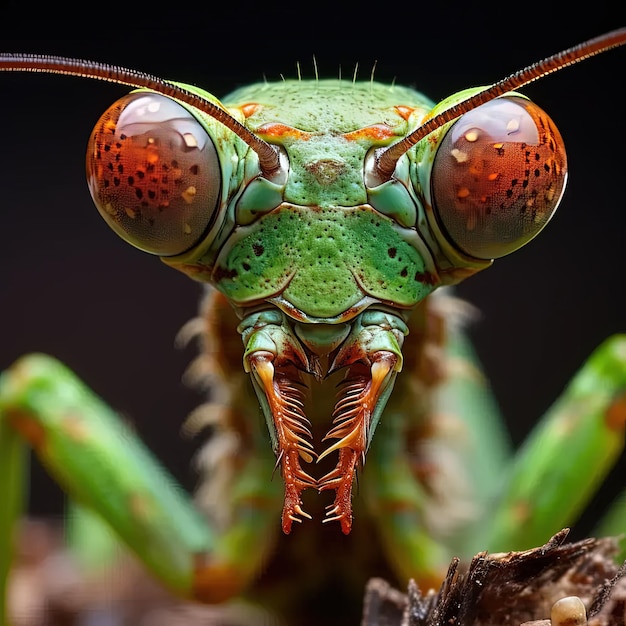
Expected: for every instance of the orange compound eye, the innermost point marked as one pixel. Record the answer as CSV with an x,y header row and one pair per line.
x,y
498,177
154,174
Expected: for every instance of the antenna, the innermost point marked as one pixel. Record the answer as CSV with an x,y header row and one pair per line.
x,y
388,157
268,157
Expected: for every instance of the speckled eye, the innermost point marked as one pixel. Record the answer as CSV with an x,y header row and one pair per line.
x,y
498,176
153,173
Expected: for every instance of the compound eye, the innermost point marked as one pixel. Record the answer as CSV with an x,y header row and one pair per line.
x,y
498,177
154,174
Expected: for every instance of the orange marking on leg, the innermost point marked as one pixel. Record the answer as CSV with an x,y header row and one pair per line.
x,y
616,413
29,428
214,583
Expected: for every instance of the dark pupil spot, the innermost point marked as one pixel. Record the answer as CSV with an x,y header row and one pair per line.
x,y
258,249
392,252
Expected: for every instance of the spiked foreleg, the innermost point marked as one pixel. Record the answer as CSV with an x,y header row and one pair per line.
x,y
273,357
373,355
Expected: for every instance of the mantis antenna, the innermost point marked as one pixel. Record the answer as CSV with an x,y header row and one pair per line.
x,y
388,157
268,157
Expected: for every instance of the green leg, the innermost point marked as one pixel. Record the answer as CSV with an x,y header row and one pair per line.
x,y
397,503
484,449
97,461
566,457
441,420
13,477
522,502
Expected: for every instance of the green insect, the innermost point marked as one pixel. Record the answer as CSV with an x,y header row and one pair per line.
x,y
327,218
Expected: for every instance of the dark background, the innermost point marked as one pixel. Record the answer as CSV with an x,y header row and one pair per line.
x,y
70,287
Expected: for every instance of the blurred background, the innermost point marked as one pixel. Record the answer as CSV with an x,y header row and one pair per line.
x,y
70,287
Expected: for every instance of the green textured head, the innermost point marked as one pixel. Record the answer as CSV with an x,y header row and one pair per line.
x,y
311,241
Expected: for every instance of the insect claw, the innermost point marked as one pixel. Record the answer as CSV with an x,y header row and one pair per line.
x,y
329,481
333,514
336,514
306,481
277,464
299,510
330,484
291,514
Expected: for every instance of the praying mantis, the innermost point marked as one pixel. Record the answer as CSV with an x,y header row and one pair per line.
x,y
340,510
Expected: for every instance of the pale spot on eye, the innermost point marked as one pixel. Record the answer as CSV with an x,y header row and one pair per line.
x,y
498,146
187,229
190,140
471,135
492,176
154,106
463,192
512,126
189,194
459,155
